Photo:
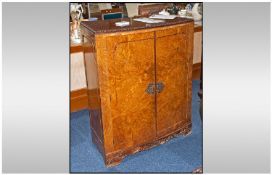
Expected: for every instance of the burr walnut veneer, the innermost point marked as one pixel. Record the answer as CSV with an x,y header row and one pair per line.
x,y
141,94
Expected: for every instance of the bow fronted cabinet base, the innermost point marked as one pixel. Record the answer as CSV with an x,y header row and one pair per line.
x,y
142,90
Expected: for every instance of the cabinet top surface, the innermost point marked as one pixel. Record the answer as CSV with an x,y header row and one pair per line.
x,y
108,26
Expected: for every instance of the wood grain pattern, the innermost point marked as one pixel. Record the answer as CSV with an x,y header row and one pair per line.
x,y
172,70
115,158
125,118
130,67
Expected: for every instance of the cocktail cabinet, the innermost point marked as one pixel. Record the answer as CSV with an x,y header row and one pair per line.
x,y
139,80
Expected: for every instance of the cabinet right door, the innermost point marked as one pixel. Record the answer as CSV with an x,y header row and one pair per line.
x,y
173,72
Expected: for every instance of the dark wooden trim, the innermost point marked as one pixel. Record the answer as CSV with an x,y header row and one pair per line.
x,y
76,48
94,99
196,71
78,100
114,10
198,29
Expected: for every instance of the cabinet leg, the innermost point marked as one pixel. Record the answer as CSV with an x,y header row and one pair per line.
x,y
113,161
187,130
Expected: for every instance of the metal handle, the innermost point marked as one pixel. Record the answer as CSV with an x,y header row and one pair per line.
x,y
159,87
151,88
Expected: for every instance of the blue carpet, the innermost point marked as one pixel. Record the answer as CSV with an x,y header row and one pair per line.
x,y
181,154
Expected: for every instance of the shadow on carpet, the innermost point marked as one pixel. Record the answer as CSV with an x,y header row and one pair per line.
x,y
181,154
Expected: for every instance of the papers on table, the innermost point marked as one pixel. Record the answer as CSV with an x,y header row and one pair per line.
x,y
148,20
122,23
157,18
190,17
163,16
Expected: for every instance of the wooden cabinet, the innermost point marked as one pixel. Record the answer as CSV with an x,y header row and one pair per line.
x,y
141,94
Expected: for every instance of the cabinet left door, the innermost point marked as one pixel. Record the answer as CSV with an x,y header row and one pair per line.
x,y
126,68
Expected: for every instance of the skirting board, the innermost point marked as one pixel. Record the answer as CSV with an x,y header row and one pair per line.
x,y
78,100
76,48
196,71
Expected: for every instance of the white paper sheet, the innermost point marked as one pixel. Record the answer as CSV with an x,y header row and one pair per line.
x,y
122,23
163,16
148,20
